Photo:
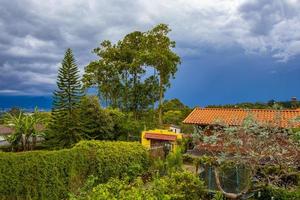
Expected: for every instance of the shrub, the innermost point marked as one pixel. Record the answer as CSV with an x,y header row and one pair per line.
x,y
95,123
53,174
187,158
177,186
279,194
174,161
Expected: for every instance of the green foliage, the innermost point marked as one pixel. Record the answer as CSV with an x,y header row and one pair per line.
x,y
44,116
174,161
95,123
295,135
86,188
161,166
177,186
173,117
158,167
64,128
175,104
120,73
272,104
279,194
25,130
15,111
218,196
53,174
161,57
174,112
127,127
187,158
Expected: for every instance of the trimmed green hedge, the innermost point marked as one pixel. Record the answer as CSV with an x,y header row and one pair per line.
x,y
54,174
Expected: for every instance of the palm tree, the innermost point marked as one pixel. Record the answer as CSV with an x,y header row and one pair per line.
x,y
24,129
14,121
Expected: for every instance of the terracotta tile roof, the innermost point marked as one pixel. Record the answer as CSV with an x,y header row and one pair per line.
x,y
160,136
206,116
4,130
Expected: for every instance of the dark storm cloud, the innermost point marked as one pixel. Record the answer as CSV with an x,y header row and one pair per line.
x,y
34,34
263,15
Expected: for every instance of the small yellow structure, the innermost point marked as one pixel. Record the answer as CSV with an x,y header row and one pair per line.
x,y
159,138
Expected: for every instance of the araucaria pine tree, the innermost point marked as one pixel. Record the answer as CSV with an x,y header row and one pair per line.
x,y
64,127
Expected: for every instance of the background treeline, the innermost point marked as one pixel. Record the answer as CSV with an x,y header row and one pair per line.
x,y
272,104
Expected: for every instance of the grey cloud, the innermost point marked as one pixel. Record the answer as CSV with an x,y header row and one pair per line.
x,y
263,15
34,34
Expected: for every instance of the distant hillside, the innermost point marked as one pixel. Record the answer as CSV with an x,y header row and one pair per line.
x,y
272,104
25,102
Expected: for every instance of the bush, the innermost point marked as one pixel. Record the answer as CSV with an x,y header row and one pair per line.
x,y
174,161
187,158
95,123
279,194
53,174
177,186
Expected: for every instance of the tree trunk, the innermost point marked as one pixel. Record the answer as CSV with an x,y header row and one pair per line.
x,y
126,92
160,121
23,142
33,142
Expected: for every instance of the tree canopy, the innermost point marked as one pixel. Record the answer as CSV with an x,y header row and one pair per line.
x,y
64,129
122,75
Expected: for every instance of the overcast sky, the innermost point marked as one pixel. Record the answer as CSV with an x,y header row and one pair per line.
x,y
232,51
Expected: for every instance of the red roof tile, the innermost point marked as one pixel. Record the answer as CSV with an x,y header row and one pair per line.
x,y
4,130
206,116
160,136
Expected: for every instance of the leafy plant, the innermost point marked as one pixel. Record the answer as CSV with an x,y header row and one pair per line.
x,y
278,194
176,186
25,130
174,161
218,196
54,174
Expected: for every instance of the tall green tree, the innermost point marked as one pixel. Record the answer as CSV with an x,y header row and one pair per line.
x,y
132,67
160,55
120,74
64,126
104,74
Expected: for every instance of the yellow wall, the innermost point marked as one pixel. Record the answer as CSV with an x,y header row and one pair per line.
x,y
146,142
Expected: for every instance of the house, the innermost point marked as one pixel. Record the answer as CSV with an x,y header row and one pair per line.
x,y
175,128
160,138
6,131
235,117
208,118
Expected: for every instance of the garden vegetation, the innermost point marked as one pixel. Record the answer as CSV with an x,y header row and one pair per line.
x,y
131,78
54,174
